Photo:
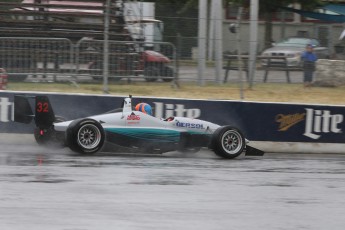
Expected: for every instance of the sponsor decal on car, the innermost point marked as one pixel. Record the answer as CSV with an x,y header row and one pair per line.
x,y
189,125
133,119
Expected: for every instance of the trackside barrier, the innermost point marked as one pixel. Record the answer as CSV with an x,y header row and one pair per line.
x,y
3,79
36,57
259,121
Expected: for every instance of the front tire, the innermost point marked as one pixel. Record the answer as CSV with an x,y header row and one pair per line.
x,y
228,142
85,136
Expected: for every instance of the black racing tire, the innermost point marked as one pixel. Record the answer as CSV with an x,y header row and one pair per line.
x,y
50,137
228,142
167,74
151,73
85,136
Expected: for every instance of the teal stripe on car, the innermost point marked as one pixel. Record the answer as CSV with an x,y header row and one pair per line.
x,y
158,135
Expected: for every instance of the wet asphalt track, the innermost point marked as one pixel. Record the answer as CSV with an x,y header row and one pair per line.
x,y
55,189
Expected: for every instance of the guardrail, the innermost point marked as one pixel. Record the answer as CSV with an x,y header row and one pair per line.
x,y
58,59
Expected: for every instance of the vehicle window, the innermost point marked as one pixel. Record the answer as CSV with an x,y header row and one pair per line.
x,y
296,42
314,42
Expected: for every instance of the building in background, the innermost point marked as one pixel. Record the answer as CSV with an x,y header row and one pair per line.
x,y
285,24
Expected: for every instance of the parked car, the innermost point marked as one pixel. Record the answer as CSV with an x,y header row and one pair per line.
x,y
292,48
125,60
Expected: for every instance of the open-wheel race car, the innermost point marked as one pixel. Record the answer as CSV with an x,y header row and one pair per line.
x,y
131,129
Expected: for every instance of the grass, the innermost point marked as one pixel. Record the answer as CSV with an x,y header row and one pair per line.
x,y
264,92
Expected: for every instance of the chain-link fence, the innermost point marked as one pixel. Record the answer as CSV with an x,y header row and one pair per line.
x,y
127,60
60,59
181,24
44,59
36,57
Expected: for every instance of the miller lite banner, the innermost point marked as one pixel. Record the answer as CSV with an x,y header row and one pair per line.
x,y
279,122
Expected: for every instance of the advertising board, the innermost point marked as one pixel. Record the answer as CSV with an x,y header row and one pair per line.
x,y
259,121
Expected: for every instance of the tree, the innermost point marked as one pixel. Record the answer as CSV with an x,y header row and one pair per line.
x,y
266,11
179,18
268,7
4,7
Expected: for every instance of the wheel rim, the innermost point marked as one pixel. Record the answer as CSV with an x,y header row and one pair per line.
x,y
232,142
89,136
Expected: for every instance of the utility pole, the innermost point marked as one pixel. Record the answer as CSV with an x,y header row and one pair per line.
x,y
239,51
211,32
218,39
106,48
253,39
202,28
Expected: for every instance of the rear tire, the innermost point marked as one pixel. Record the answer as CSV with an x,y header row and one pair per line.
x,y
167,74
85,136
151,73
228,142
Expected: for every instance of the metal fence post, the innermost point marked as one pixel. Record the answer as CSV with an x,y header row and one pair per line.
x,y
254,9
239,51
106,48
202,40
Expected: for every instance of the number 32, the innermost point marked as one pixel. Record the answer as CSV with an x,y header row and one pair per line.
x,y
42,107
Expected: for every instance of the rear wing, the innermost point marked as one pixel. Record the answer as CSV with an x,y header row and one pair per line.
x,y
22,110
43,112
127,104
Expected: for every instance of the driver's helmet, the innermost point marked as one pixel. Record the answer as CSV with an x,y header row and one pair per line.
x,y
144,108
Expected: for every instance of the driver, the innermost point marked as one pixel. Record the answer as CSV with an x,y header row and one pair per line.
x,y
144,108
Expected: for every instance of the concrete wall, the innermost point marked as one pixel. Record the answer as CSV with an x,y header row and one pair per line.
x,y
273,127
330,73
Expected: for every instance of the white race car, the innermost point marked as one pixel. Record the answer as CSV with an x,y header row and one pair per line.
x,y
130,129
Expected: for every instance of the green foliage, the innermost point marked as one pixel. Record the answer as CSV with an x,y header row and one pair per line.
x,y
180,17
267,7
178,5
9,1
269,4
12,1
